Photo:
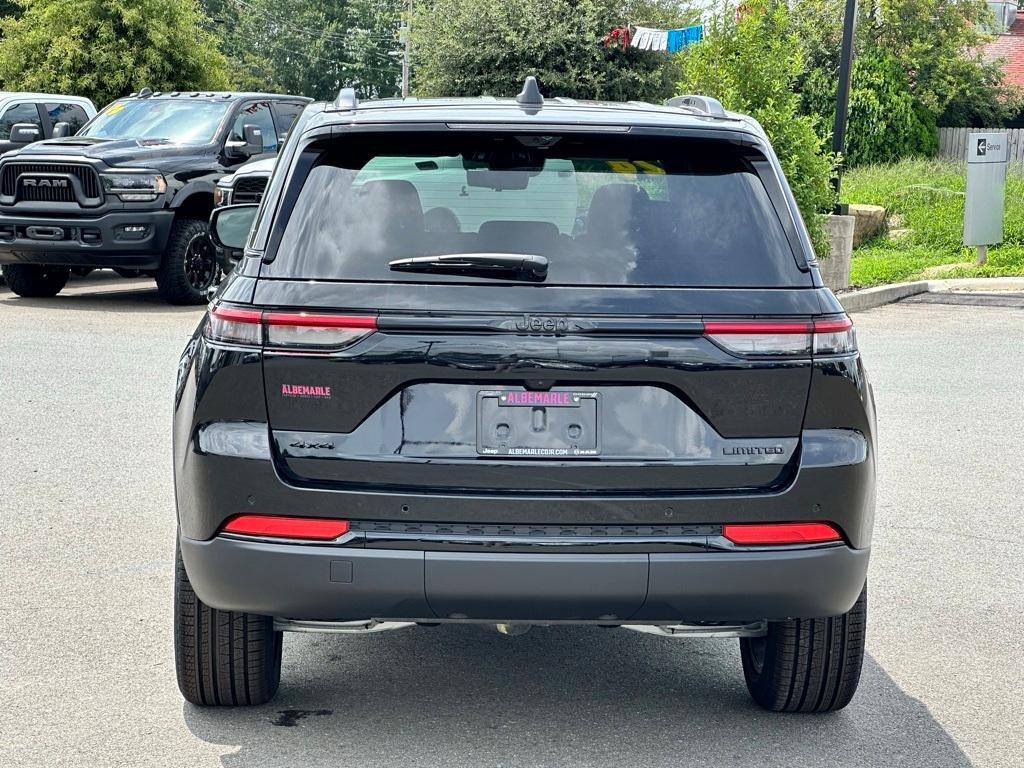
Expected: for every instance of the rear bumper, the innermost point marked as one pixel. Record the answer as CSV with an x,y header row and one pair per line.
x,y
315,582
86,242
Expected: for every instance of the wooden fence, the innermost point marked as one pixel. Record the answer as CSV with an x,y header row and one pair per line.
x,y
953,142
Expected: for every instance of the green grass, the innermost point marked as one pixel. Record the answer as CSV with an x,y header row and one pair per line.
x,y
928,195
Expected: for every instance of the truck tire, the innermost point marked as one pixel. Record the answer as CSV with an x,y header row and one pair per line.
x,y
35,281
807,665
189,265
223,658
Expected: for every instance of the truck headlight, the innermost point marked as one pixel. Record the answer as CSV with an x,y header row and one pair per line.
x,y
221,195
134,186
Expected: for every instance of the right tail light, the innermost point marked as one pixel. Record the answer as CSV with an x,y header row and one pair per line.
x,y
756,338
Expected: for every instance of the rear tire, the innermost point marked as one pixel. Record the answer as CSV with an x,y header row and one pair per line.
x,y
34,281
189,264
223,658
807,665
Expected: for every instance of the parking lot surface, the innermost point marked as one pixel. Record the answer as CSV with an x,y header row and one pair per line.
x,y
86,563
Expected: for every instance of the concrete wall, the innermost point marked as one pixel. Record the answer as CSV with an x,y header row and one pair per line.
x,y
835,270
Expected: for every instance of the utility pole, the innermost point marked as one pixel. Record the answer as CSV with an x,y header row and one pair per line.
x,y
405,37
843,90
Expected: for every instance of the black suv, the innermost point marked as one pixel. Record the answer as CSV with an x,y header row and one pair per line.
x,y
133,190
519,362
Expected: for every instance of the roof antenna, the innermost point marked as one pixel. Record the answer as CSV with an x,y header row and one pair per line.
x,y
530,95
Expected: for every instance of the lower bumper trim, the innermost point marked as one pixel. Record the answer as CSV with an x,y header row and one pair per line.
x,y
328,583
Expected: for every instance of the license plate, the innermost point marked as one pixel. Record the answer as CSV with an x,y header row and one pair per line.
x,y
530,425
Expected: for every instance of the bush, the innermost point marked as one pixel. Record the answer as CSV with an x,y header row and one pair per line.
x,y
750,65
916,60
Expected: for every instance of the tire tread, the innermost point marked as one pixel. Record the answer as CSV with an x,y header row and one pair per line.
x,y
223,658
810,665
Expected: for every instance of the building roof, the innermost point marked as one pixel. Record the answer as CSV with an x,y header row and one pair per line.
x,y
1010,47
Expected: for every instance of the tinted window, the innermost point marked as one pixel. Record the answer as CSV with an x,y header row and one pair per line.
x,y
628,211
287,113
186,121
256,113
72,114
18,113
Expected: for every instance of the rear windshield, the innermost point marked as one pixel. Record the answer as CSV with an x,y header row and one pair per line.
x,y
636,211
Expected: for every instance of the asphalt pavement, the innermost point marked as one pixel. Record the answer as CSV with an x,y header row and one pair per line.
x,y
86,564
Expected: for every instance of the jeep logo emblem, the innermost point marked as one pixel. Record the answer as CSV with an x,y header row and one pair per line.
x,y
46,182
535,324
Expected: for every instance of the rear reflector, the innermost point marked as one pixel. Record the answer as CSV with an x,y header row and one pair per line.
x,y
312,528
783,337
780,533
309,331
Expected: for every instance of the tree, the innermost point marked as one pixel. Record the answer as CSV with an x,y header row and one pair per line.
x,y
751,64
312,47
105,48
915,61
474,47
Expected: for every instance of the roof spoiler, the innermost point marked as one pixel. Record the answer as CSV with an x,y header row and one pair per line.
x,y
704,104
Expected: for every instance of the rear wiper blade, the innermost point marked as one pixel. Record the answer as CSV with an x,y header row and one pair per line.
x,y
525,265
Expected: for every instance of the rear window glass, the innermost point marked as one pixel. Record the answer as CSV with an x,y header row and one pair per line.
x,y
619,211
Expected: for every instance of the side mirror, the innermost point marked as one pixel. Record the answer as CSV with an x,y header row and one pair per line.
x,y
253,139
25,133
61,129
253,144
230,225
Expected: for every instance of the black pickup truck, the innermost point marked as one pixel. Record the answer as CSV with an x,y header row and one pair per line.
x,y
133,190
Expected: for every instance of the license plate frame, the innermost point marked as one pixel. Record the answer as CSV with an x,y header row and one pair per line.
x,y
526,424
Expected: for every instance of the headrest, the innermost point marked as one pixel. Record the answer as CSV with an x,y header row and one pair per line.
x,y
614,209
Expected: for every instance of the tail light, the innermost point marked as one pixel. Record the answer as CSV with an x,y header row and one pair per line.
x,y
279,527
753,534
235,326
287,331
785,337
304,330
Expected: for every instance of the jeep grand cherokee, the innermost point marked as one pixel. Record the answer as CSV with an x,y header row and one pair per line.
x,y
516,362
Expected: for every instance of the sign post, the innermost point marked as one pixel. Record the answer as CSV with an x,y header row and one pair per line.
x,y
986,191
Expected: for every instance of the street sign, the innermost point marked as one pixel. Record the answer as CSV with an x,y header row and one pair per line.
x,y
986,190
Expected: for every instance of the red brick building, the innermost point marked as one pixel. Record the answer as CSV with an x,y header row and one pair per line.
x,y
1009,45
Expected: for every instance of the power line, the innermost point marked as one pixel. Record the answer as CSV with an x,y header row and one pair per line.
x,y
310,32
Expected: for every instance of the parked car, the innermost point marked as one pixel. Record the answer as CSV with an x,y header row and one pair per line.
x,y
29,117
133,190
605,386
246,185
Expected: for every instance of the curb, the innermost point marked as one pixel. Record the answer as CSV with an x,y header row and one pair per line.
x,y
869,298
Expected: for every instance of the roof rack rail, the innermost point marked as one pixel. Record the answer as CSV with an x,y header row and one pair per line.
x,y
345,100
704,104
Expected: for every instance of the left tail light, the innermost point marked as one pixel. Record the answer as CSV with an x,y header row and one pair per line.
x,y
287,331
